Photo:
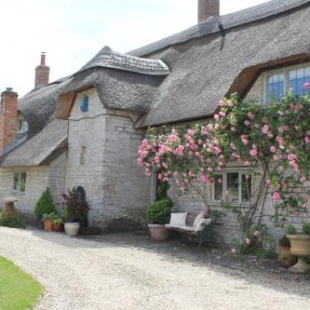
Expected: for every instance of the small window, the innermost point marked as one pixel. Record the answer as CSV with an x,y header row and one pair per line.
x,y
19,182
233,187
83,155
84,103
22,125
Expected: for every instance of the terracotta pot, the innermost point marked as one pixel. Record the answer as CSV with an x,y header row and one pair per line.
x,y
48,225
300,247
286,258
158,232
72,229
58,227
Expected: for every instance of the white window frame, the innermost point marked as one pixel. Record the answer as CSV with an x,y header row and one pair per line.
x,y
18,188
285,71
241,172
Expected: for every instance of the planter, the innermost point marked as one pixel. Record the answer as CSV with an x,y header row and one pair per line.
x,y
158,232
300,247
48,224
72,229
286,258
58,227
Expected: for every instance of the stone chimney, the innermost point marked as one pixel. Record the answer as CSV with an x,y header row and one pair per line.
x,y
42,73
208,8
8,118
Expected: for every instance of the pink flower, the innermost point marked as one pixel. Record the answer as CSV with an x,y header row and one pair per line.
x,y
306,85
273,149
302,179
230,103
216,117
307,139
247,163
233,250
253,152
222,113
221,103
247,123
296,213
265,129
247,241
256,233
251,115
276,196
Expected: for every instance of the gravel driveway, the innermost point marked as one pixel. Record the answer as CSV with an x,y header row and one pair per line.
x,y
127,271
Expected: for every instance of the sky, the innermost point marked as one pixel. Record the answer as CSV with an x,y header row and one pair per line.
x,y
71,32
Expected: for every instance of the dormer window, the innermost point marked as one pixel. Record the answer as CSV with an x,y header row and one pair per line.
x,y
84,103
22,125
280,81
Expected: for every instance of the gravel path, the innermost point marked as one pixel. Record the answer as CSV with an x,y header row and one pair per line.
x,y
126,271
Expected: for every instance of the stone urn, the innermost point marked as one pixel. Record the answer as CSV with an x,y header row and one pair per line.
x,y
158,232
72,228
300,247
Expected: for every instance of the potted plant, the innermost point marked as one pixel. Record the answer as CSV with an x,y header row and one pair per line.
x,y
158,213
286,258
44,205
74,211
300,247
47,219
58,224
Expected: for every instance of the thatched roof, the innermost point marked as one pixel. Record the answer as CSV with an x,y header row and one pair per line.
x,y
122,82
209,61
107,58
42,148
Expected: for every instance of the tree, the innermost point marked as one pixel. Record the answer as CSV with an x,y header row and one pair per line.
x,y
272,141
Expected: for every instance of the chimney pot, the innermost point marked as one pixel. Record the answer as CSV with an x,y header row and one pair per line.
x,y
208,8
42,72
9,89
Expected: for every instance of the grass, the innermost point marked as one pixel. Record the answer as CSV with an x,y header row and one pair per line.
x,y
18,290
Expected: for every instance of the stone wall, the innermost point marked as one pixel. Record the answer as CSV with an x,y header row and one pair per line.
x,y
37,179
102,153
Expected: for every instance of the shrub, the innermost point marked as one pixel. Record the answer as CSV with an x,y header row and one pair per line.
x,y
306,228
14,222
290,229
284,241
158,212
45,203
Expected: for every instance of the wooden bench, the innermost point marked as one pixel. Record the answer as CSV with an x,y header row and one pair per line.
x,y
191,228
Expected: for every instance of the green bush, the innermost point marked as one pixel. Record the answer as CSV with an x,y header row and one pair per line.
x,y
45,203
14,222
284,241
158,212
306,228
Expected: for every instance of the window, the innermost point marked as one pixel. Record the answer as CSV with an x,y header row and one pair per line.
x,y
22,125
19,182
83,155
279,82
234,187
84,103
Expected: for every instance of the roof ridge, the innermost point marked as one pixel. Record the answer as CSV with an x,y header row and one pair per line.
x,y
228,21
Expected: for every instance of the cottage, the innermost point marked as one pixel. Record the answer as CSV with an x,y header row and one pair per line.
x,y
84,130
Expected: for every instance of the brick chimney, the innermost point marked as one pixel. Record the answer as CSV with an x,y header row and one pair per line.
x,y
208,8
42,73
8,118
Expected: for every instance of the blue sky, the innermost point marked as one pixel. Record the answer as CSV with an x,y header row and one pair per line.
x,y
71,32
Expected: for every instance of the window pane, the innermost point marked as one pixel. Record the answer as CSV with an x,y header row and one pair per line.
x,y
275,87
297,78
246,187
218,188
232,187
15,181
22,182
